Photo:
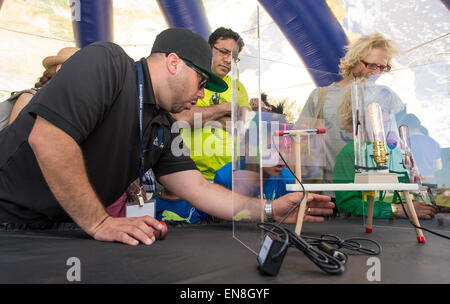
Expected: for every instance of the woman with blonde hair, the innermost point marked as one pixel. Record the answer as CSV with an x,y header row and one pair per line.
x,y
366,56
360,61
10,108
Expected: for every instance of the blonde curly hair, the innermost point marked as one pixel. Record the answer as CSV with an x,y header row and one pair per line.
x,y
360,49
357,51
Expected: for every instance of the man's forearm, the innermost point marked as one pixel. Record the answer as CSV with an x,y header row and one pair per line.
x,y
213,199
214,112
228,205
61,162
221,202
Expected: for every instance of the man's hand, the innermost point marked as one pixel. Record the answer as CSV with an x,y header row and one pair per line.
x,y
423,210
318,206
128,230
61,162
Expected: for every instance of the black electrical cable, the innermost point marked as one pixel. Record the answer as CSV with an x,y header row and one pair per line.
x,y
325,256
323,260
326,262
298,180
350,243
414,225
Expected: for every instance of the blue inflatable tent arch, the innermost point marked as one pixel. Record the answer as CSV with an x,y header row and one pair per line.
x,y
308,25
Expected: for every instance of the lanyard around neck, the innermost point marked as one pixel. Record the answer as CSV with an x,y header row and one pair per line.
x,y
141,105
158,141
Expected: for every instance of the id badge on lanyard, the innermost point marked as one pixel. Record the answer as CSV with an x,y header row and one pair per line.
x,y
142,207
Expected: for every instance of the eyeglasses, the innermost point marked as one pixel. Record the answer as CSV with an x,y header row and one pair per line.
x,y
374,66
205,78
226,53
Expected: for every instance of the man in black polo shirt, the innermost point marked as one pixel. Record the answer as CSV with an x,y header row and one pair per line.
x,y
77,145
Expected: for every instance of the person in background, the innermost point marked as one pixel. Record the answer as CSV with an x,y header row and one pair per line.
x,y
265,105
10,108
214,108
426,151
367,56
275,176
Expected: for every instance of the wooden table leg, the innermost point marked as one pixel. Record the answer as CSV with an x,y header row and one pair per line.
x,y
301,215
298,173
413,216
370,214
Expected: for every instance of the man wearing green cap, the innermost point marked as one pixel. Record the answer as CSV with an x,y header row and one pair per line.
x,y
203,127
215,149
102,121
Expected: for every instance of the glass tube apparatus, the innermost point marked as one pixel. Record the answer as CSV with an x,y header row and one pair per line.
x,y
377,132
407,156
368,131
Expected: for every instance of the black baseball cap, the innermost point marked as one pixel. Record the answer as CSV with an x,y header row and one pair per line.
x,y
191,47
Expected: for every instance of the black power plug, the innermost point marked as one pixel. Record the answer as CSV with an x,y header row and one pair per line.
x,y
271,255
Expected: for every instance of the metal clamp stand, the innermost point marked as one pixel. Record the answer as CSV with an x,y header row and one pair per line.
x,y
296,135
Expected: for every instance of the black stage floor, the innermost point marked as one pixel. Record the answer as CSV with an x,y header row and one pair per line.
x,y
209,253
